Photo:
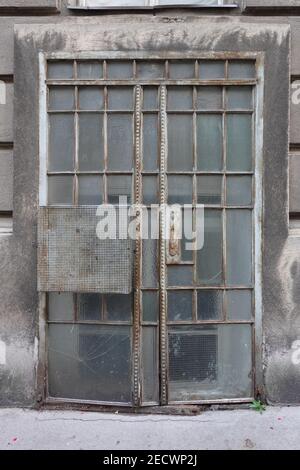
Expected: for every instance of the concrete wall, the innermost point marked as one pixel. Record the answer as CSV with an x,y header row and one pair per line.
x,y
18,169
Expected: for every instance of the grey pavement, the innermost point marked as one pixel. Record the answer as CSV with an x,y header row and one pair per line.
x,y
276,428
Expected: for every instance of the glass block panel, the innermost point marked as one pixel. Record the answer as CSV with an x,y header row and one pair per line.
x,y
180,97
150,98
150,190
180,142
180,305
119,185
180,189
119,70
60,70
209,97
239,247
239,190
91,142
209,305
239,142
90,190
150,69
61,98
181,69
150,306
239,304
150,263
180,276
209,189
150,142
239,97
89,307
150,364
90,362
120,142
60,306
89,70
119,307
211,69
209,258
209,142
120,98
60,190
210,362
91,98
239,69
61,142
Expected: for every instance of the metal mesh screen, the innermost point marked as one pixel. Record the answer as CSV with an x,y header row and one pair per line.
x,y
71,258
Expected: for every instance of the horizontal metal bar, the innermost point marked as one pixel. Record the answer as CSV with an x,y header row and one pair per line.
x,y
224,401
153,82
52,400
210,288
90,322
151,55
210,322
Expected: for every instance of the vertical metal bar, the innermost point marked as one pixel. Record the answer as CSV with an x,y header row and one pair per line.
x,y
162,230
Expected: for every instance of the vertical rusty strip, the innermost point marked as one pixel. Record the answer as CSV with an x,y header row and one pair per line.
x,y
162,230
138,253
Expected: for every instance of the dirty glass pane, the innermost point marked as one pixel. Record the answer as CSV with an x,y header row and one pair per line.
x,y
180,276
239,190
180,142
91,143
60,190
90,190
89,307
91,98
119,307
239,97
181,69
209,304
210,362
149,264
209,258
211,69
118,185
180,189
150,306
120,98
90,362
209,142
150,364
120,142
180,305
209,189
89,70
180,97
150,69
150,98
61,98
209,97
150,142
150,190
60,306
61,142
119,69
239,247
239,142
60,69
187,235
239,69
239,304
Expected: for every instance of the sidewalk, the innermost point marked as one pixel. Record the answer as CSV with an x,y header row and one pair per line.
x,y
276,428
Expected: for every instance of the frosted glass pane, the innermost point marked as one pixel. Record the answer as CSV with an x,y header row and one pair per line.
x,y
239,247
150,306
151,69
181,69
209,97
239,142
120,98
150,190
90,306
239,190
119,185
119,307
150,98
180,276
180,97
150,364
150,263
91,98
60,190
239,97
91,143
209,258
180,305
90,190
180,189
240,69
120,142
61,98
211,69
88,70
119,69
209,189
61,142
209,142
60,69
180,142
60,306
150,142
239,304
209,304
